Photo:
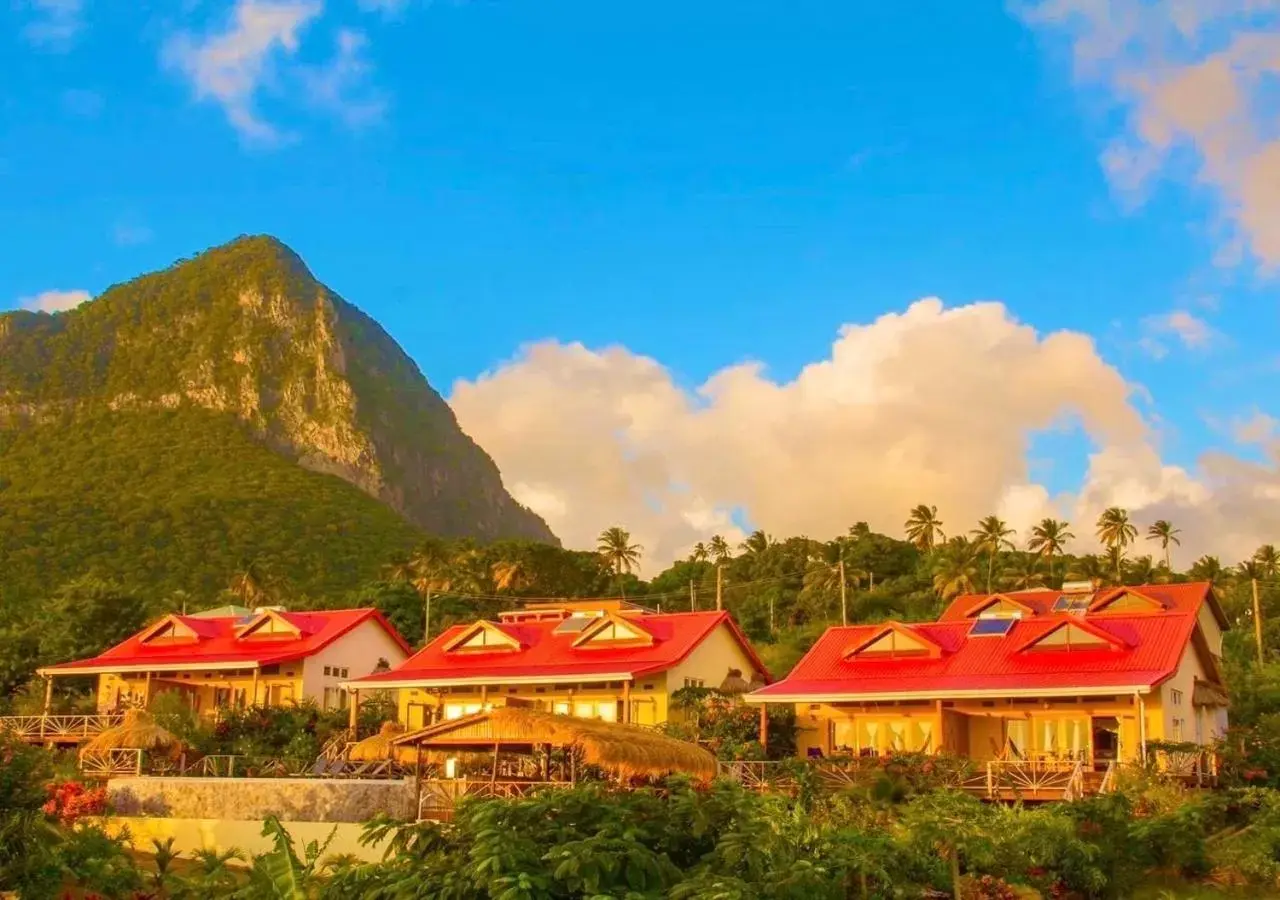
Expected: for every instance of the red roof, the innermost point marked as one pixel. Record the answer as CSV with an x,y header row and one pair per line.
x,y
544,654
1174,597
217,643
1146,649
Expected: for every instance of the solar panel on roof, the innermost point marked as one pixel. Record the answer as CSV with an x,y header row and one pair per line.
x,y
1060,605
574,624
991,627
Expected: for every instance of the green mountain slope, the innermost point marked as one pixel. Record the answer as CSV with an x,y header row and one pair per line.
x,y
162,501
246,331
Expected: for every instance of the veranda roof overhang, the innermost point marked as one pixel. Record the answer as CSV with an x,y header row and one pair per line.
x,y
140,668
986,694
380,684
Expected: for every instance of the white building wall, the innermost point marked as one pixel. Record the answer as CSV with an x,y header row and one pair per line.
x,y
711,661
351,656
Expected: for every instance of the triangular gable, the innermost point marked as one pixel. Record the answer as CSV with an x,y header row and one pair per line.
x,y
1125,600
482,637
269,625
612,630
169,630
895,639
1006,606
1074,634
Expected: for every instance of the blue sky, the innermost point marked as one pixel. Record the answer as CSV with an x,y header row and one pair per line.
x,y
702,184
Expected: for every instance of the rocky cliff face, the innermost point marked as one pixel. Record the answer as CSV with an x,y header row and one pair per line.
x,y
246,329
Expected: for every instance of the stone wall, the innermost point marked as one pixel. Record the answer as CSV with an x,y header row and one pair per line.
x,y
241,799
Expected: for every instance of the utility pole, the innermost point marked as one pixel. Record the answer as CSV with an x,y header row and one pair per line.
x,y
1257,619
772,629
719,586
872,576
693,596
426,623
844,603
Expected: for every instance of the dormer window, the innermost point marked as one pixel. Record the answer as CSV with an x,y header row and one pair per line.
x,y
613,631
895,641
169,630
1124,600
1074,635
268,626
999,606
482,637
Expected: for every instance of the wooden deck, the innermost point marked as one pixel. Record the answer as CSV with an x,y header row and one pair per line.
x,y
58,729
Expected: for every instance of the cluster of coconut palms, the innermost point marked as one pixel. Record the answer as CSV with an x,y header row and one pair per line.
x,y
961,559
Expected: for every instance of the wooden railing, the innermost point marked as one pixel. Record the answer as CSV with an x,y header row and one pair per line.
x,y
117,763
58,729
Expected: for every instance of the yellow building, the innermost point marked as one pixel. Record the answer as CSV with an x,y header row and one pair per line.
x,y
233,657
602,659
1076,674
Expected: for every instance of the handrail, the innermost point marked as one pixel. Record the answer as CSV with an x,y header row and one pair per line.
x,y
59,726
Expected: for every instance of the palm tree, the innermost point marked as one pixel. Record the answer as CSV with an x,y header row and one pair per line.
x,y
992,535
1141,570
1116,532
700,553
1024,575
251,585
1268,560
955,570
1049,538
1162,530
620,556
924,528
756,543
719,548
509,575
1209,568
428,570
1094,569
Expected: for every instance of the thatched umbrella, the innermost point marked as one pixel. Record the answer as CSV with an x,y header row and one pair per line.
x,y
624,750
734,683
138,731
380,746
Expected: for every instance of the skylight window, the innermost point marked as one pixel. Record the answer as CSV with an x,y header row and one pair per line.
x,y
574,624
1074,604
992,627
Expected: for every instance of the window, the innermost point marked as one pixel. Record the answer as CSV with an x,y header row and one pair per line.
x,y
694,683
335,698
561,708
328,670
1069,637
1176,734
895,641
342,673
458,710
1175,697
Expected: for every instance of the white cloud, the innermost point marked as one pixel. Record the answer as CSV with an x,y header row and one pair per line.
x,y
232,66
54,301
1191,331
931,405
56,23
1197,80
340,86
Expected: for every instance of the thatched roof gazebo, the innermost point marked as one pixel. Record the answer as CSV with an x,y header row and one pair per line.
x,y
625,751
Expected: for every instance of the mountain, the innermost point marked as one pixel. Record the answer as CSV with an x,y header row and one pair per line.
x,y
240,351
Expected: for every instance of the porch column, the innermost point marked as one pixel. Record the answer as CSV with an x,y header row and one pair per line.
x,y
1142,728
353,712
48,693
764,728
253,698
626,702
146,691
